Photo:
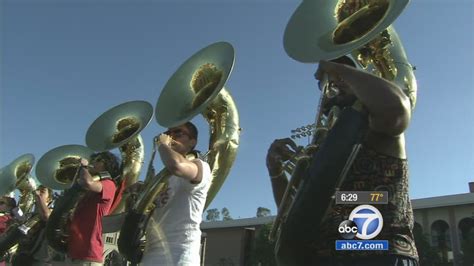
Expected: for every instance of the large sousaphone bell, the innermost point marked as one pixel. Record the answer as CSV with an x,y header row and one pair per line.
x,y
57,168
323,30
118,125
16,174
197,87
193,86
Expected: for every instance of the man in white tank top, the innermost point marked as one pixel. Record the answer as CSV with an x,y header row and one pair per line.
x,y
173,234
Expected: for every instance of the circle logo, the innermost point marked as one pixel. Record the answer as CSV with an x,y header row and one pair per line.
x,y
369,221
347,229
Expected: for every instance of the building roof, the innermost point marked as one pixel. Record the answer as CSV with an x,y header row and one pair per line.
x,y
238,223
443,201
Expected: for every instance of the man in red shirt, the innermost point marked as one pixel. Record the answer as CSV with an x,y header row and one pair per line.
x,y
85,245
6,206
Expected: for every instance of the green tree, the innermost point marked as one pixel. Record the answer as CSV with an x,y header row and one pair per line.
x,y
428,254
262,212
263,253
226,214
213,215
467,247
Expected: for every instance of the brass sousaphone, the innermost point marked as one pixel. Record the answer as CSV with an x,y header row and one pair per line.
x,y
57,169
16,175
197,87
120,127
323,30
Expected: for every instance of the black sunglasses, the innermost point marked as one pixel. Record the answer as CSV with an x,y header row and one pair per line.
x,y
177,133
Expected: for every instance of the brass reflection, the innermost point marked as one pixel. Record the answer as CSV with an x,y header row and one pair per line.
x,y
126,127
204,81
67,169
23,169
356,18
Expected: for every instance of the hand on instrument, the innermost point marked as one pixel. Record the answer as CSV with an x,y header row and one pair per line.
x,y
344,95
164,139
86,174
280,151
41,196
90,167
84,162
333,70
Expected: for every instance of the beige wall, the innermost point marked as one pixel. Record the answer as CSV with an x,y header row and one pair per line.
x,y
464,211
426,217
452,215
224,245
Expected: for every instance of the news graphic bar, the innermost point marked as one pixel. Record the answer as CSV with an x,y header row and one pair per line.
x,y
361,197
361,244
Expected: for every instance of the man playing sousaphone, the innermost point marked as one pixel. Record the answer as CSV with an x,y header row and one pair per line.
x,y
171,202
85,244
381,164
173,233
34,249
7,205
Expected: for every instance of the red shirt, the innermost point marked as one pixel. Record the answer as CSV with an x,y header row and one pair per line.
x,y
85,230
4,221
118,194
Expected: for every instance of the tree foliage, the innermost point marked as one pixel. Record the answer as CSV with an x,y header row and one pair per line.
x,y
428,255
226,214
263,212
213,215
263,253
467,247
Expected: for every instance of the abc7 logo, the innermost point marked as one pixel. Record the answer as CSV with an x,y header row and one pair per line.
x,y
365,222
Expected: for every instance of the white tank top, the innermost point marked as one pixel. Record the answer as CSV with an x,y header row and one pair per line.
x,y
173,234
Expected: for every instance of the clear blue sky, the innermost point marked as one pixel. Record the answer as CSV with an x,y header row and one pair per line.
x,y
63,63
